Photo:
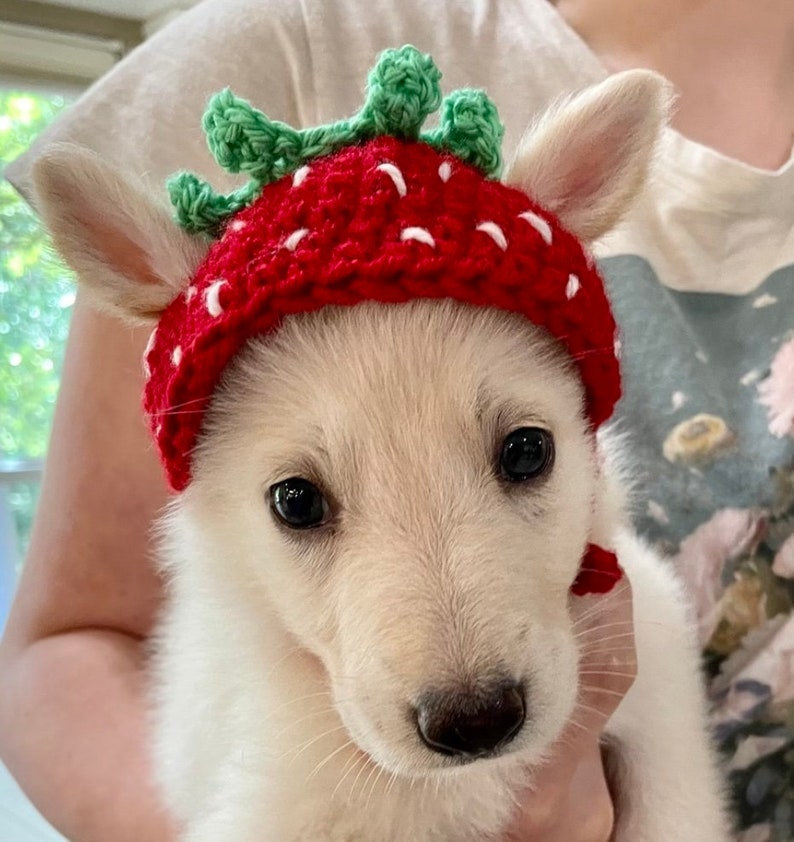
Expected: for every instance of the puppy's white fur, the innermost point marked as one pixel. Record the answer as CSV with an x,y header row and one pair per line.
x,y
288,663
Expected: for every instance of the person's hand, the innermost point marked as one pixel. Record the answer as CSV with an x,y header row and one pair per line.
x,y
569,800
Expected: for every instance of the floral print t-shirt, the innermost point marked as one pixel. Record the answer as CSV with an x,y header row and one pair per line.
x,y
707,323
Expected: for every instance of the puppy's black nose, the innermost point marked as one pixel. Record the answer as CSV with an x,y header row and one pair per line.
x,y
471,723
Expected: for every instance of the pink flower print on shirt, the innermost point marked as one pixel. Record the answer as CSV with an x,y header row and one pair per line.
x,y
765,658
776,393
703,555
783,564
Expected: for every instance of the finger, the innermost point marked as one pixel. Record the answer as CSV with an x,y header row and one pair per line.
x,y
567,804
590,811
608,659
570,799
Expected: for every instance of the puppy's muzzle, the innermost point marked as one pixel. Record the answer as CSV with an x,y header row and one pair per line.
x,y
471,723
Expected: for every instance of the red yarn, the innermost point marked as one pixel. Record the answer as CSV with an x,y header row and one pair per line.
x,y
598,573
339,233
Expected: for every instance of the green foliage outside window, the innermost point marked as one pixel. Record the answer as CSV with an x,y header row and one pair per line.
x,y
36,296
36,293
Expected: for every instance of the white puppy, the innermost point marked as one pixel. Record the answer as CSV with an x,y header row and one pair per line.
x,y
394,674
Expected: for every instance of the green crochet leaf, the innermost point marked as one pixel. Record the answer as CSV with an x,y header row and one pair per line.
x,y
243,139
470,129
199,209
403,89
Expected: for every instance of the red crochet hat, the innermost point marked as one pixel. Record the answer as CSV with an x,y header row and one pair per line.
x,y
387,221
380,214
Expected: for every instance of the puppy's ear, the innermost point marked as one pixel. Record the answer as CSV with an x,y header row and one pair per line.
x,y
587,157
126,249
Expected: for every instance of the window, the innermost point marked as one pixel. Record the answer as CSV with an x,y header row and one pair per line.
x,y
46,48
36,296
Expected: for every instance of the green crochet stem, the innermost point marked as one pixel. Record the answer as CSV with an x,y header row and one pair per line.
x,y
402,91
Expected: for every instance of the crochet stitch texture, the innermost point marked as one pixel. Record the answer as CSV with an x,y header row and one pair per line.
x,y
369,210
388,221
402,90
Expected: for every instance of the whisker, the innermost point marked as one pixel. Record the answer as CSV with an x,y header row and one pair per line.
x,y
318,712
178,406
288,654
589,352
590,689
591,709
300,749
594,644
165,412
330,757
369,776
578,725
603,603
360,771
392,780
356,759
607,672
514,799
288,703
381,770
603,626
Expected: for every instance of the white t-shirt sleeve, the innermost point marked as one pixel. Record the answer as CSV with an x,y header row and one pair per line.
x,y
305,62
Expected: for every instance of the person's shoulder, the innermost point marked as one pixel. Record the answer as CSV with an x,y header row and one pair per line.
x,y
520,51
305,62
693,212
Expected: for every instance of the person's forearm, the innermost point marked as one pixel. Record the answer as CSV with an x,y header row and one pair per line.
x,y
74,732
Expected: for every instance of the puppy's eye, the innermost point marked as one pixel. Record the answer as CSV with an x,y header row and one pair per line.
x,y
299,504
527,452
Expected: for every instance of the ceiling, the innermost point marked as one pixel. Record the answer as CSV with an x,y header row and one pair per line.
x,y
131,9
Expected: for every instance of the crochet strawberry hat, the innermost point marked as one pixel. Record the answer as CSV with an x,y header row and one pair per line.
x,y
368,209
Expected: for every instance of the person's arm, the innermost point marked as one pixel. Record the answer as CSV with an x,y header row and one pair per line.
x,y
73,715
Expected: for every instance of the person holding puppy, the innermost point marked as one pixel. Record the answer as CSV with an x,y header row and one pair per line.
x,y
708,247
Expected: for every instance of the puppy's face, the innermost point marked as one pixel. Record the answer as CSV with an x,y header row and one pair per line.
x,y
410,488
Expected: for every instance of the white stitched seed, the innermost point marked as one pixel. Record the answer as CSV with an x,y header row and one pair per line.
x,y
572,287
291,243
539,224
445,171
420,234
299,175
238,225
495,233
396,176
189,293
176,356
146,351
212,298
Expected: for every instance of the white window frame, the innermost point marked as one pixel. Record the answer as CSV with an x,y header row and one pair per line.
x,y
32,51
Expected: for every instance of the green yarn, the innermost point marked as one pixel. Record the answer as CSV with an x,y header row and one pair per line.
x,y
470,129
403,89
242,139
199,209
